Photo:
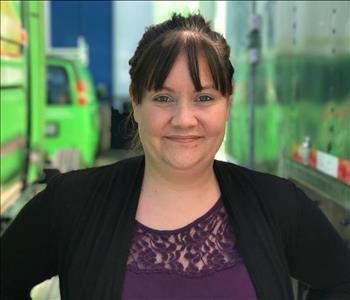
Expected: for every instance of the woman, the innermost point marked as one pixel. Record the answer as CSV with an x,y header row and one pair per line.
x,y
175,223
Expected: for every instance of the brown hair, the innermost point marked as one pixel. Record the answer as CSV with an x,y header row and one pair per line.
x,y
161,44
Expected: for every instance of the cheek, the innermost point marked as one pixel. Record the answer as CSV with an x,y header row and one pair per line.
x,y
216,128
152,121
216,122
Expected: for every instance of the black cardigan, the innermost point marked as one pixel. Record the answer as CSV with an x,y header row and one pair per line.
x,y
80,227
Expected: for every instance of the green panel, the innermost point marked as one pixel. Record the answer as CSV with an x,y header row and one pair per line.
x,y
302,88
37,73
12,114
318,101
22,83
267,128
288,111
13,118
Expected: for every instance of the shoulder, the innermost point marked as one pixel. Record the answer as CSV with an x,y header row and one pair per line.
x,y
84,194
254,179
278,197
78,190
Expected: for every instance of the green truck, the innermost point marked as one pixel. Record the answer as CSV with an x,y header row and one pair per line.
x,y
49,108
71,121
23,97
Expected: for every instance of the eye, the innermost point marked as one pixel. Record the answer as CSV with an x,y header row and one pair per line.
x,y
162,98
204,98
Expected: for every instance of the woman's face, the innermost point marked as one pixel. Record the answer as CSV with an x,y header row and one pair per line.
x,y
178,126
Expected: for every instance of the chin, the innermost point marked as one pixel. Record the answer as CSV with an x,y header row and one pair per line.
x,y
183,163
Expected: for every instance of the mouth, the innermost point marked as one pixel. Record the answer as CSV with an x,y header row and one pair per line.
x,y
183,138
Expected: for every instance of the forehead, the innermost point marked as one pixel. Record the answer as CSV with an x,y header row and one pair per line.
x,y
180,71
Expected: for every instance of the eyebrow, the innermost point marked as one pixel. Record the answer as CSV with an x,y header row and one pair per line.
x,y
207,87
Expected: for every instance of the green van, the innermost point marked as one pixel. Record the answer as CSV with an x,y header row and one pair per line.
x,y
72,115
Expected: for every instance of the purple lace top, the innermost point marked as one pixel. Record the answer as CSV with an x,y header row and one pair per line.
x,y
198,261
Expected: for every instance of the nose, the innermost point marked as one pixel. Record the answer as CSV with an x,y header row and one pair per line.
x,y
184,115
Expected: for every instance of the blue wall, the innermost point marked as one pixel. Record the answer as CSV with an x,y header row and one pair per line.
x,y
93,20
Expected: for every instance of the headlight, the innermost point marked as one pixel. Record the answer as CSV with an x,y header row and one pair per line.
x,y
51,129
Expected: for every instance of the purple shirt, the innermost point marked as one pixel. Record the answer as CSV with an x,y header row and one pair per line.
x,y
198,261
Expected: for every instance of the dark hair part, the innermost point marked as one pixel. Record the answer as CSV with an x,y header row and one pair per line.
x,y
161,44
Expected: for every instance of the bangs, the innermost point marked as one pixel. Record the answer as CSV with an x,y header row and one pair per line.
x,y
162,54
196,45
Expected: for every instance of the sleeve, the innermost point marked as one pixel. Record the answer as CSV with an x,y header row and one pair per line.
x,y
316,253
28,249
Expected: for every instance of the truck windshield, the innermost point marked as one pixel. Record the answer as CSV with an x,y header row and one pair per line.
x,y
57,86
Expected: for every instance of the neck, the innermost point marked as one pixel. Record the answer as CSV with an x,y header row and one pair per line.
x,y
160,179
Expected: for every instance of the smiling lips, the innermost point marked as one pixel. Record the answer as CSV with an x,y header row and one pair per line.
x,y
183,138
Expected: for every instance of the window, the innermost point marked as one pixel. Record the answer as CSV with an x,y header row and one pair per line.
x,y
57,86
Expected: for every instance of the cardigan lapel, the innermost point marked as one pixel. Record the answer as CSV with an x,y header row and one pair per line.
x,y
127,190
255,240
